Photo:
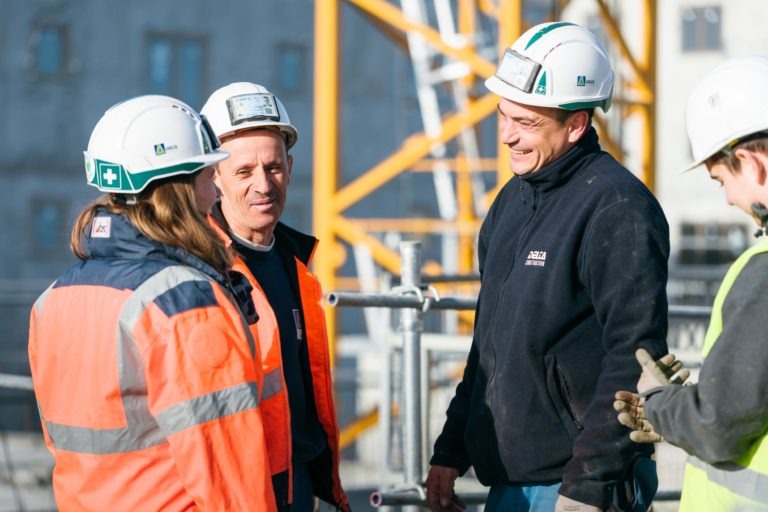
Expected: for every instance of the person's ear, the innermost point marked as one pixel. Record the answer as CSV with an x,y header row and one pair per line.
x,y
753,164
577,123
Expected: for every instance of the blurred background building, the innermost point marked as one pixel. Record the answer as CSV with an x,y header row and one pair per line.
x,y
64,62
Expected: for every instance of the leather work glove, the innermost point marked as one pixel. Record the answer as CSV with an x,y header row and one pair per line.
x,y
667,370
631,414
565,504
659,373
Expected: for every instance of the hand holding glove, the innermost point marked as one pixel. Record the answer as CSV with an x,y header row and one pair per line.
x,y
667,370
631,414
659,373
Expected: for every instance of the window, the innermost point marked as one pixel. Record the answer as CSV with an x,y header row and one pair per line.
x,y
50,51
49,226
702,29
176,67
291,68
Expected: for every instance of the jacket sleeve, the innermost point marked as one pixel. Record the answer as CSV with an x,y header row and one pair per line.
x,y
719,419
450,449
202,387
623,265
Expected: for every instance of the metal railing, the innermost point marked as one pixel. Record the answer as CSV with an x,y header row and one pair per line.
x,y
415,297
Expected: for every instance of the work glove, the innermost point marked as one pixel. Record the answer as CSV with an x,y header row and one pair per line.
x,y
659,373
565,504
630,406
632,415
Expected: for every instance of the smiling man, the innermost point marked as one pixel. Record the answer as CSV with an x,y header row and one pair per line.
x,y
573,258
299,416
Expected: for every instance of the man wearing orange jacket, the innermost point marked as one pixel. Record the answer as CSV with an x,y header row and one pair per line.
x,y
300,420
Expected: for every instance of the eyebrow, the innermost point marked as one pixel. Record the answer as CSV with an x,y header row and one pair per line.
x,y
518,118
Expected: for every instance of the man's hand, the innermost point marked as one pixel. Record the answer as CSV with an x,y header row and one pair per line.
x,y
631,414
659,373
565,504
440,493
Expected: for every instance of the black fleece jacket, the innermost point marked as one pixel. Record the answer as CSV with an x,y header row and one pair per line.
x,y
573,260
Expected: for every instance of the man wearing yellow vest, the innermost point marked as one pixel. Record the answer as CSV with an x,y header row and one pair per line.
x,y
722,421
299,418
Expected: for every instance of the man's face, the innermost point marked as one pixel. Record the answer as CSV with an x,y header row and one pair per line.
x,y
740,187
534,135
253,182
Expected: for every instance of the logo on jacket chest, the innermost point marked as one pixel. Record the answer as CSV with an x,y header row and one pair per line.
x,y
536,259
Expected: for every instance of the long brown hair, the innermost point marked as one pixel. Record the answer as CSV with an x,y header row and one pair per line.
x,y
166,212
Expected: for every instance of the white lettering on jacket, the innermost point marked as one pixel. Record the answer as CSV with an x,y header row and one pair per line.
x,y
536,258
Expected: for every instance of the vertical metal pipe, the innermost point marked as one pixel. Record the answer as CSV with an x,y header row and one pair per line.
x,y
411,325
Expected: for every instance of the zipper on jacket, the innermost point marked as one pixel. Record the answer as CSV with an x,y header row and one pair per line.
x,y
523,234
567,397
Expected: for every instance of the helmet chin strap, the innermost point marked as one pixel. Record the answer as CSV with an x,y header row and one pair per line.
x,y
761,212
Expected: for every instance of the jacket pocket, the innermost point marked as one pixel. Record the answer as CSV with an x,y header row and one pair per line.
x,y
560,393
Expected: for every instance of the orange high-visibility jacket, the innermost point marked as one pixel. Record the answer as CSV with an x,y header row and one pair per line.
x,y
143,372
296,250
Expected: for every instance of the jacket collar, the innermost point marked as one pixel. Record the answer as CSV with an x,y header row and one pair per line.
x,y
287,240
119,239
558,172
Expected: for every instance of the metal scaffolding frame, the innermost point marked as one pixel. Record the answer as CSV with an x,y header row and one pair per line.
x,y
450,54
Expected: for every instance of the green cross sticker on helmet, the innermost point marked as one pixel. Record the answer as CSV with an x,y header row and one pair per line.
x,y
124,155
557,57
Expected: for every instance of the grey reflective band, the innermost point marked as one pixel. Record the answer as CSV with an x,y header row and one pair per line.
x,y
273,384
142,429
252,107
212,406
518,70
739,480
40,302
100,441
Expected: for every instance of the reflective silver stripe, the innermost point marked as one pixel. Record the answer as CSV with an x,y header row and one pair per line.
x,y
737,479
141,430
247,329
209,407
273,384
40,302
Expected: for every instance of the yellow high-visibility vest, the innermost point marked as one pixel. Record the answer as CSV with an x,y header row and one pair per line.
x,y
740,485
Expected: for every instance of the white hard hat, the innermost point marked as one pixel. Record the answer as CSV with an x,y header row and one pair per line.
x,y
148,138
729,104
247,106
561,65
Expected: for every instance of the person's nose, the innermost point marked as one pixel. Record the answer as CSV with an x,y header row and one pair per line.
x,y
508,132
261,182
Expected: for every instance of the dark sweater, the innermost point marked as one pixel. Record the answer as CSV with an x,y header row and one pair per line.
x,y
573,260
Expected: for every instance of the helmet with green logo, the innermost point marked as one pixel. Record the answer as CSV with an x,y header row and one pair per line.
x,y
728,106
243,106
560,65
145,139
